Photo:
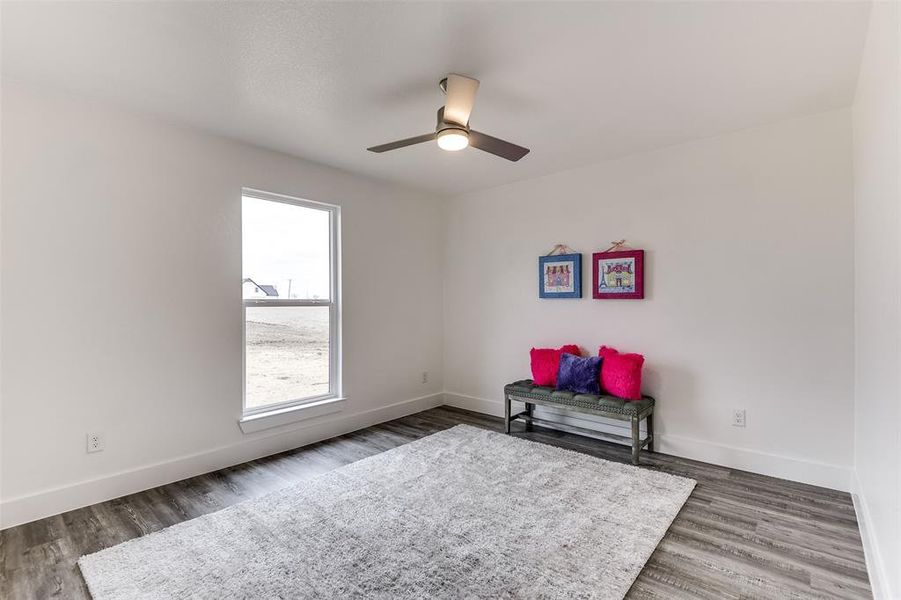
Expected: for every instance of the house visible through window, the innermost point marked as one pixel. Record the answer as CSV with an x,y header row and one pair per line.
x,y
290,301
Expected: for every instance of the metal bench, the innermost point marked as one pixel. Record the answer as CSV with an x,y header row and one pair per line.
x,y
606,406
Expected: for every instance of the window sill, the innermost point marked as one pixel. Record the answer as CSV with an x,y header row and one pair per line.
x,y
291,414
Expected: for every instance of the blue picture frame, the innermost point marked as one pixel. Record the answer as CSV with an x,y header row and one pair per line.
x,y
560,276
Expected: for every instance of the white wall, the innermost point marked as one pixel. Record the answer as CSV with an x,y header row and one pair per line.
x,y
749,274
877,194
109,204
136,224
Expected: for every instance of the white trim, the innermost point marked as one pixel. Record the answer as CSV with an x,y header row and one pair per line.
x,y
802,470
565,420
480,405
258,421
775,465
879,579
275,197
334,308
287,405
52,501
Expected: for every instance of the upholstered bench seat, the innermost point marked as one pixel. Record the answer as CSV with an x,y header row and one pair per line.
x,y
602,403
527,392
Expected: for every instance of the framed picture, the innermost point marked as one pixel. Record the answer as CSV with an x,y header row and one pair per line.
x,y
560,276
618,274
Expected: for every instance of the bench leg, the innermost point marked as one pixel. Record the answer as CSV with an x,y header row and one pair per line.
x,y
636,440
649,422
506,413
530,409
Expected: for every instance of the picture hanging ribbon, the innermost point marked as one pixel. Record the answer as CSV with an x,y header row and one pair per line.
x,y
560,249
618,245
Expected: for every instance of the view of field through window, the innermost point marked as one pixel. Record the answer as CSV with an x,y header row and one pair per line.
x,y
287,353
286,258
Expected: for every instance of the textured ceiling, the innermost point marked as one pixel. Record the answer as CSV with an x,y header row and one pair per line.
x,y
576,82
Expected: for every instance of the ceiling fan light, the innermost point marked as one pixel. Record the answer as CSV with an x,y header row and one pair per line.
x,y
453,139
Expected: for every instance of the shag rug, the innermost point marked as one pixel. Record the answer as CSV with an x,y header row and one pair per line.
x,y
464,513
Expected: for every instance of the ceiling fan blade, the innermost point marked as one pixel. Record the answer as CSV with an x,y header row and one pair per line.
x,y
495,146
401,143
461,95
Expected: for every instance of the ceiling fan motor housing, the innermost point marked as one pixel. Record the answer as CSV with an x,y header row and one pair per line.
x,y
443,124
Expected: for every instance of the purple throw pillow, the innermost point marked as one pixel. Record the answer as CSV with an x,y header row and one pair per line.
x,y
580,375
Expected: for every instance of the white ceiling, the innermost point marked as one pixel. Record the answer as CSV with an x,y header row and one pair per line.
x,y
576,82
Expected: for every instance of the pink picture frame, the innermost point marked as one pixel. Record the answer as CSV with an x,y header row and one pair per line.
x,y
617,275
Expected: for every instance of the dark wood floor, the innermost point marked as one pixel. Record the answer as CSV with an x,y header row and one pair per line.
x,y
739,535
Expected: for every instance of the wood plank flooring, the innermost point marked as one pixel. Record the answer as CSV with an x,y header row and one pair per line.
x,y
740,535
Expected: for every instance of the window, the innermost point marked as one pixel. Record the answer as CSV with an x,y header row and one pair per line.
x,y
290,274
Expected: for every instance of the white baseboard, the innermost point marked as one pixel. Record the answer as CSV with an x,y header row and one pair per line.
x,y
835,477
23,509
494,408
785,467
879,580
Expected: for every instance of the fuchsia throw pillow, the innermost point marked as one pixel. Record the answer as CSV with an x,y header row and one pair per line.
x,y
546,363
621,373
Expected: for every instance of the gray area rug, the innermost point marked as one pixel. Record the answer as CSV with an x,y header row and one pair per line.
x,y
464,513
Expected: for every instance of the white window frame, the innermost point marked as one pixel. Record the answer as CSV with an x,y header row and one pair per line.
x,y
251,419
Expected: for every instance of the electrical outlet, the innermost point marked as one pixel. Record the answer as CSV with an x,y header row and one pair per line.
x,y
738,417
425,376
95,442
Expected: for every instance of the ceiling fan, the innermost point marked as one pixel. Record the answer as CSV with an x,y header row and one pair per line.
x,y
452,132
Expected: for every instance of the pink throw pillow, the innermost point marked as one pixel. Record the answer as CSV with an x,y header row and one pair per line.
x,y
621,373
546,363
